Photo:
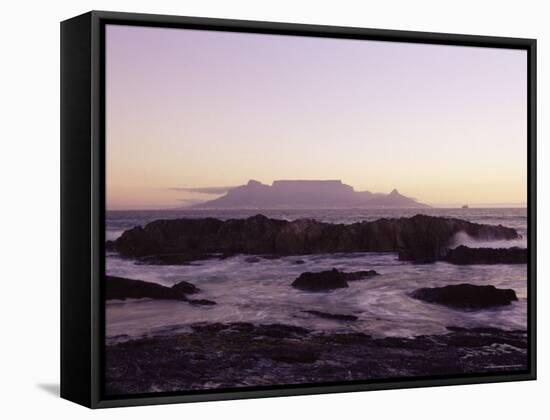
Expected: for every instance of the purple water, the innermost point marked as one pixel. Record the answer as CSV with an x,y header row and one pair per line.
x,y
261,292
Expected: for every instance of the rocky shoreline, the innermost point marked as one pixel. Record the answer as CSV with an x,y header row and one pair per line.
x,y
420,238
120,288
243,354
464,255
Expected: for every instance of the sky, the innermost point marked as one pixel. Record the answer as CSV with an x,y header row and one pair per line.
x,y
203,109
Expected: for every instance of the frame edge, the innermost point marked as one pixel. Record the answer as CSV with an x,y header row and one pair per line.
x,y
96,19
76,264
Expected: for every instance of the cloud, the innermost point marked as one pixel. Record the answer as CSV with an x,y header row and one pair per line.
x,y
204,190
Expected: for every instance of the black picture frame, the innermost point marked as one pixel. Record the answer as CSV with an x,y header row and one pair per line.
x,y
83,203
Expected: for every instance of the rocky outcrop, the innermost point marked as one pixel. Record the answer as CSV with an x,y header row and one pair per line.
x,y
335,317
324,281
121,288
466,296
463,255
359,275
213,356
420,238
173,259
185,288
202,302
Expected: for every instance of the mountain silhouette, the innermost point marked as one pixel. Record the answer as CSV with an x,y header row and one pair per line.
x,y
294,194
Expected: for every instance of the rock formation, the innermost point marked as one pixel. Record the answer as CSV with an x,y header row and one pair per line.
x,y
466,296
334,317
324,281
420,238
122,289
463,255
329,280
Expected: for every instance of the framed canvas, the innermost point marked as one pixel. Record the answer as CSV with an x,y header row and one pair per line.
x,y
255,209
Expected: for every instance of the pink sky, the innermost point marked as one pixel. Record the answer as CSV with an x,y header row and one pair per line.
x,y
188,108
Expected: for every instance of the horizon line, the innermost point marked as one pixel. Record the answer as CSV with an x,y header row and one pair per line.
x,y
432,207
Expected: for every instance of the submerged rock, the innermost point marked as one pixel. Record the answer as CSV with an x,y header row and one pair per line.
x,y
420,238
122,288
336,317
320,282
464,255
329,280
359,275
185,288
201,302
466,296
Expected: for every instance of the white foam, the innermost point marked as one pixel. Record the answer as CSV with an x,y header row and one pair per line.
x,y
262,293
462,238
111,235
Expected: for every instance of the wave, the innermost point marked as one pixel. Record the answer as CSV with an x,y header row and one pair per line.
x,y
462,238
261,293
112,234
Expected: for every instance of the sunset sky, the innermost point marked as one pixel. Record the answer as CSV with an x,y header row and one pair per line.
x,y
187,108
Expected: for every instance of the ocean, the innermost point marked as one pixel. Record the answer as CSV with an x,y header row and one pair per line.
x,y
260,292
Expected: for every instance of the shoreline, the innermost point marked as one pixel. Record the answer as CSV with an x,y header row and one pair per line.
x,y
243,354
212,350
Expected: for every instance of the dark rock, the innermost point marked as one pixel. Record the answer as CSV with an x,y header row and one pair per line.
x,y
420,238
465,255
329,280
336,317
263,330
359,275
486,336
173,259
185,288
210,328
295,354
320,282
121,288
243,327
280,330
271,257
204,302
356,338
212,356
252,259
298,262
466,296
482,330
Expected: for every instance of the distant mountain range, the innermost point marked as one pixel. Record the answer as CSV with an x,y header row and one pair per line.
x,y
305,194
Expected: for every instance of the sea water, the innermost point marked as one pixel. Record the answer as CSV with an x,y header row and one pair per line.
x,y
261,292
